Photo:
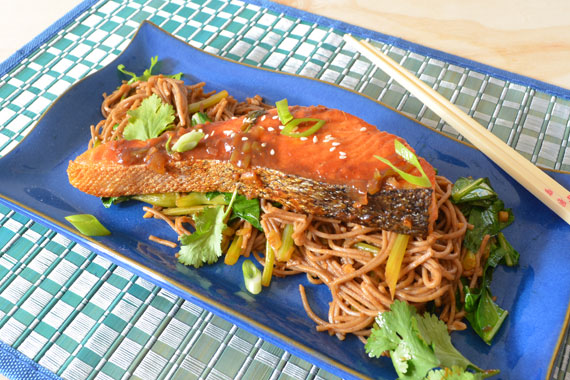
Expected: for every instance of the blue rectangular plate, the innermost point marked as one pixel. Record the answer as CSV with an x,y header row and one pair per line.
x,y
34,181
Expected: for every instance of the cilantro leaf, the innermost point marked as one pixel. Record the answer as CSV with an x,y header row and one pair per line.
x,y
434,331
398,332
419,344
149,120
204,245
146,74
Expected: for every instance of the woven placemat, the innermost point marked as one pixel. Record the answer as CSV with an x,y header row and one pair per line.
x,y
79,315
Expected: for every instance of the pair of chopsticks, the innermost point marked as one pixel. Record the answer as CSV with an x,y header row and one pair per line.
x,y
547,190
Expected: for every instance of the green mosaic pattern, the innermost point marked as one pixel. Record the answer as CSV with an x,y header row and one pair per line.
x,y
81,316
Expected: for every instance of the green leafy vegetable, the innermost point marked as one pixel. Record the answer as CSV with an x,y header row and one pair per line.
x,y
480,202
108,201
204,245
397,332
188,141
149,120
87,224
469,190
147,73
509,255
408,156
486,317
418,344
246,209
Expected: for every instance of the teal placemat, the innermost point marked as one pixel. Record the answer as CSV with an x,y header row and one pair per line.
x,y
79,315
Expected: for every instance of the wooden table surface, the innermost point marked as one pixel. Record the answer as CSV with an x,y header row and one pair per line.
x,y
531,38
526,37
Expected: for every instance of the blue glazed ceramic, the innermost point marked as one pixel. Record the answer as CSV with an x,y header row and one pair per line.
x,y
33,180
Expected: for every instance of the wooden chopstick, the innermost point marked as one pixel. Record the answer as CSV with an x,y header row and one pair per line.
x,y
547,190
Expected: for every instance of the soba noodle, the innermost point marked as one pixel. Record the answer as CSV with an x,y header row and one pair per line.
x,y
324,248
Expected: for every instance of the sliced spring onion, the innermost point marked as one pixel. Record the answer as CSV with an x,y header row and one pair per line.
x,y
268,268
394,263
367,247
283,111
289,129
234,252
251,277
195,199
200,118
286,250
188,141
88,225
208,102
162,200
408,156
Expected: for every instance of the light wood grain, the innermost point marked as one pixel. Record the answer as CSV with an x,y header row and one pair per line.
x,y
531,38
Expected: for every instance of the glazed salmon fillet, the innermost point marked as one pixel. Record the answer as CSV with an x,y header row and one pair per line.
x,y
331,173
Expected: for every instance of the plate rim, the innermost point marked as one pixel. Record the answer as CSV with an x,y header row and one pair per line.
x,y
181,290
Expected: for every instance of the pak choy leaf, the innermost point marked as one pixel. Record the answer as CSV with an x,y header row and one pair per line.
x,y
109,201
246,209
487,317
149,120
474,191
485,221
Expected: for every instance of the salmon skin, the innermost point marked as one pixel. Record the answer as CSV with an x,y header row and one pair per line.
x,y
332,173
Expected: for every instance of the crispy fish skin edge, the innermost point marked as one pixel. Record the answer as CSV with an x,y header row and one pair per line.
x,y
405,211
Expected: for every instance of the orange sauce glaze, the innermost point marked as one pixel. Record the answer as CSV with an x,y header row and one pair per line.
x,y
341,152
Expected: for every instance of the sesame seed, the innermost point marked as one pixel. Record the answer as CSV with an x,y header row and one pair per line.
x,y
212,134
233,134
263,118
275,117
272,152
342,153
228,133
335,144
263,145
332,149
244,138
206,137
227,147
315,139
281,127
200,130
342,157
270,129
362,129
234,117
303,138
328,136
